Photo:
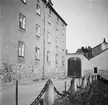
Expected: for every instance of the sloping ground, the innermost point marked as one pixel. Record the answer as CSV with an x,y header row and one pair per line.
x,y
94,94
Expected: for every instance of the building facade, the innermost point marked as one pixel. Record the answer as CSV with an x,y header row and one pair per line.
x,y
79,65
32,38
87,52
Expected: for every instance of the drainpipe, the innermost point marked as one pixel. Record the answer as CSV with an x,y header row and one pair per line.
x,y
43,74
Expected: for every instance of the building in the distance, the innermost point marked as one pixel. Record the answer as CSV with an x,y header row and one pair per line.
x,y
87,52
32,38
81,64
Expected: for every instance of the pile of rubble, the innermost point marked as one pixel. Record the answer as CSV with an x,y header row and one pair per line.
x,y
95,93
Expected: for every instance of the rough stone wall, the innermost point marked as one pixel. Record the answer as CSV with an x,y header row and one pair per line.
x,y
58,72
11,72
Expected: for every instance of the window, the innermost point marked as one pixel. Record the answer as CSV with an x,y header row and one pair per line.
x,y
56,58
56,42
62,49
49,19
38,30
22,21
57,27
48,56
37,51
24,1
62,60
20,49
63,31
49,12
57,24
48,37
95,69
63,25
38,9
57,21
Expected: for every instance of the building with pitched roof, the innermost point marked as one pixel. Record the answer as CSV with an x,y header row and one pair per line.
x,y
32,38
78,64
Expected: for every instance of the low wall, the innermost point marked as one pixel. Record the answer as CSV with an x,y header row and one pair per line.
x,y
103,73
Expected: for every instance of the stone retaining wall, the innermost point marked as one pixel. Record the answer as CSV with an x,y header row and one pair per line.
x,y
11,72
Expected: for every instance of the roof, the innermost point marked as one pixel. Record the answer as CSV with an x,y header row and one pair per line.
x,y
97,45
99,53
55,12
104,41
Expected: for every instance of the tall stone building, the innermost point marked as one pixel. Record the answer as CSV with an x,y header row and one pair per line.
x,y
32,39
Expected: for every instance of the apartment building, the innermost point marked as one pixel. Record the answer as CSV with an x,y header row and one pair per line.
x,y
32,38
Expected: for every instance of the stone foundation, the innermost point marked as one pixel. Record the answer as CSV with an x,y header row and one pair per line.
x,y
11,72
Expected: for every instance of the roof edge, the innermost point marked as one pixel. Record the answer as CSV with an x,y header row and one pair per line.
x,y
55,12
99,53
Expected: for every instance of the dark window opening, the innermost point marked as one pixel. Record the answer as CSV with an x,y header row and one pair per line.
x,y
95,69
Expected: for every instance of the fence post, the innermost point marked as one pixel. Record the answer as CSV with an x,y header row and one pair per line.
x,y
65,86
16,92
49,95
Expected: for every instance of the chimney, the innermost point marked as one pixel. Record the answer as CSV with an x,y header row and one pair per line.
x,y
66,51
49,2
104,40
82,48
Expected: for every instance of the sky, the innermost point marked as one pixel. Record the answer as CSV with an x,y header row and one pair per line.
x,y
87,22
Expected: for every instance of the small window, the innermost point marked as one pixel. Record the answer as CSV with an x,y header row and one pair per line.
x,y
49,12
56,59
56,42
38,30
63,31
63,25
57,27
48,37
57,24
38,9
57,20
22,21
49,19
62,49
48,56
95,69
63,60
24,1
37,55
21,49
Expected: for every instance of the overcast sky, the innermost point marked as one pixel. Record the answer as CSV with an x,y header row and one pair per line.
x,y
87,22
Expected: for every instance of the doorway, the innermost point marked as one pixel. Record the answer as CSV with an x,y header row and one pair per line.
x,y
74,67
